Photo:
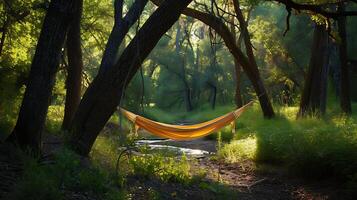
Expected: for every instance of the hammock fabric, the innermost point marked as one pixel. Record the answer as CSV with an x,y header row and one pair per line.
x,y
183,132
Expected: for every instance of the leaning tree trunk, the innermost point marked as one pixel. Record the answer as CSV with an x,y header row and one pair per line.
x,y
31,119
251,71
119,31
75,67
104,94
345,85
313,98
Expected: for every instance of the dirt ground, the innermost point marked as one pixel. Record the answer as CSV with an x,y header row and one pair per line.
x,y
249,181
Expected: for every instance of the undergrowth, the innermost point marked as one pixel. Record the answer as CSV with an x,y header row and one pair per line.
x,y
312,147
62,178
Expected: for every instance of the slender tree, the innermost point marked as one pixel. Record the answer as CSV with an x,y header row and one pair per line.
x,y
187,89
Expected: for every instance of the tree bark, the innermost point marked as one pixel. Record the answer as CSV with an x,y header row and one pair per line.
x,y
237,69
119,31
238,94
31,119
104,94
313,98
251,70
345,83
75,68
3,34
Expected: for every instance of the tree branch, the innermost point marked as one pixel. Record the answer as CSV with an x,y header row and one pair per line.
x,y
316,9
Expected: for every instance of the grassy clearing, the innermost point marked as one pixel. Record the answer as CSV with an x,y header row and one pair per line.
x,y
312,147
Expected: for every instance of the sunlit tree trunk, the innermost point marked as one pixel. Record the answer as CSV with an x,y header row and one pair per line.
x,y
31,119
104,94
75,67
313,98
237,69
345,84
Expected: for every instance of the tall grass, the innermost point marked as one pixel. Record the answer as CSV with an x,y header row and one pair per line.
x,y
312,147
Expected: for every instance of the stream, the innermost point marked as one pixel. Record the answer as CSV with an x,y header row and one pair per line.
x,y
165,145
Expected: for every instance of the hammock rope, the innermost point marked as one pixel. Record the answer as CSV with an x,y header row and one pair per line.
x,y
184,132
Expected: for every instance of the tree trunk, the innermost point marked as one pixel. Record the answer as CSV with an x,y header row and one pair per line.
x,y
3,34
251,70
213,96
237,69
345,84
187,90
313,98
75,67
238,95
31,119
104,94
119,31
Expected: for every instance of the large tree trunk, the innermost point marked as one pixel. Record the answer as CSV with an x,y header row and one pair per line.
x,y
75,67
250,69
345,84
104,94
31,119
313,98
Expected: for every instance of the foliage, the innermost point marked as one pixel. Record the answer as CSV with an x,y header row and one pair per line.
x,y
54,119
167,169
53,181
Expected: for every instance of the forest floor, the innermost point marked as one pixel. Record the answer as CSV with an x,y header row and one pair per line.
x,y
244,180
249,181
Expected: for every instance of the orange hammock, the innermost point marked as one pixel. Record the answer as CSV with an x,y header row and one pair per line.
x,y
184,132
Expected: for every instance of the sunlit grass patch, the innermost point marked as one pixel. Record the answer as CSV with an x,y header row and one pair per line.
x,y
239,150
167,169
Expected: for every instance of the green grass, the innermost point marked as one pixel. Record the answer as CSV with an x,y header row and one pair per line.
x,y
166,169
311,147
239,150
48,181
